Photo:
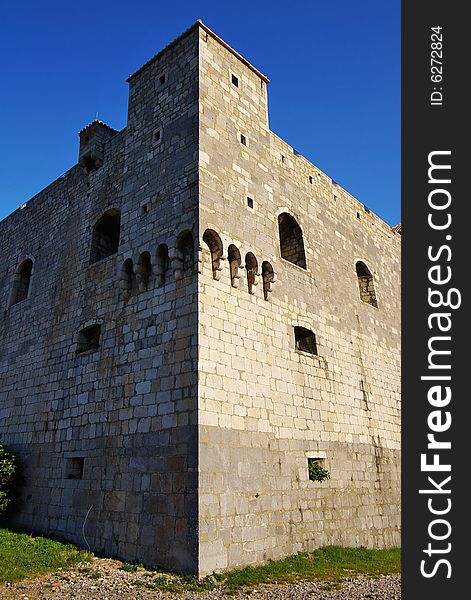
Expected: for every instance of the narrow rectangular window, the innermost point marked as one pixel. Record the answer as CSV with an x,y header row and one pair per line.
x,y
243,139
157,136
249,202
235,80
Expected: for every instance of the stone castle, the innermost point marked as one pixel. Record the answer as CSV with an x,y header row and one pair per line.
x,y
194,320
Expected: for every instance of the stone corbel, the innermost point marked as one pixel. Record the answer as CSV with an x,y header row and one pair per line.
x,y
176,262
217,266
268,286
200,259
141,279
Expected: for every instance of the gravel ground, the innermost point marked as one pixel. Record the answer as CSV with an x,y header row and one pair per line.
x,y
102,579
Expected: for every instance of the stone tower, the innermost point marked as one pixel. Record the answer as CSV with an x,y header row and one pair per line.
x,y
194,318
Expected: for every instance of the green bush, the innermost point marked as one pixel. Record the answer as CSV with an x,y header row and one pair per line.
x,y
316,471
7,472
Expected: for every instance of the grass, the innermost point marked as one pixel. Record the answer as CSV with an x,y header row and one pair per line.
x,y
23,555
331,564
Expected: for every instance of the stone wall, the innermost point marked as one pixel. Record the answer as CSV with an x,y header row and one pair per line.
x,y
183,439
108,438
264,406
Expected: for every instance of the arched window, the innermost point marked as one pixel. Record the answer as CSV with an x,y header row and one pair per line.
x,y
127,274
366,284
22,281
291,240
186,248
251,266
234,258
305,340
162,264
268,278
105,236
214,243
144,271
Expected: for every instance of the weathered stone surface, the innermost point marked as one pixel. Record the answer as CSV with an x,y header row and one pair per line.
x,y
171,367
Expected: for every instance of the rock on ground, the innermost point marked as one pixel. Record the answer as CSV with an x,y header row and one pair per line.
x,y
102,579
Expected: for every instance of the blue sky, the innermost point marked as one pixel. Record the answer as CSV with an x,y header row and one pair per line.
x,y
334,92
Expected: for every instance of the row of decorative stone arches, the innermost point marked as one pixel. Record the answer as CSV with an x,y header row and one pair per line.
x,y
179,259
216,249
105,242
136,274
139,276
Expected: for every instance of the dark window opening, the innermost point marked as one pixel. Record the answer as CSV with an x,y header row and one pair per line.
x,y
249,202
90,163
235,80
282,158
310,178
162,79
243,139
214,243
305,340
234,258
88,339
22,281
358,215
74,468
105,236
157,136
366,284
145,208
291,240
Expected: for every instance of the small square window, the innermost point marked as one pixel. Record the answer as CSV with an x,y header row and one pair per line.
x,y
74,468
243,139
249,202
316,469
88,339
145,208
235,80
305,340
